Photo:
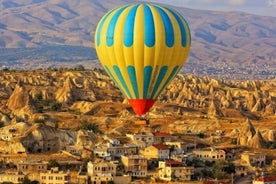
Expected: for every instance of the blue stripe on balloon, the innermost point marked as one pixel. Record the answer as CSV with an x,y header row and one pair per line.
x,y
129,27
147,79
101,27
121,78
182,27
160,77
169,32
132,76
111,27
113,78
174,71
149,27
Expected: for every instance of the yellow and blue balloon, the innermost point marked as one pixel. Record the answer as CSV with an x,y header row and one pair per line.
x,y
142,47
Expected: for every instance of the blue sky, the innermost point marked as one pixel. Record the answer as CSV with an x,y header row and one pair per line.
x,y
259,7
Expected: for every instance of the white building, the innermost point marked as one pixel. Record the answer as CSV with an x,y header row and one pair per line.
x,y
146,137
174,170
210,154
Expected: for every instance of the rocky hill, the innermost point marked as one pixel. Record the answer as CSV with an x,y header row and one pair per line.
x,y
44,107
41,34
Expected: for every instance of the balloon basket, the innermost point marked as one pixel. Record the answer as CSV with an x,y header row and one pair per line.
x,y
142,120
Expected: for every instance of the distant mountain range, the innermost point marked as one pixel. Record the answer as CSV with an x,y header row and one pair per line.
x,y
224,44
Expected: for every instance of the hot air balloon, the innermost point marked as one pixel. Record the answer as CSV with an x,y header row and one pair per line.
x,y
142,47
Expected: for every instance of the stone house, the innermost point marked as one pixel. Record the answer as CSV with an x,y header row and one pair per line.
x,y
146,137
109,150
104,172
161,137
13,177
173,170
159,151
54,176
210,154
240,170
253,159
32,166
32,169
181,146
101,172
135,165
75,150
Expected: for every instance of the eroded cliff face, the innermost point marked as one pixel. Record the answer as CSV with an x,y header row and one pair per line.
x,y
249,96
248,136
57,100
20,102
37,138
82,88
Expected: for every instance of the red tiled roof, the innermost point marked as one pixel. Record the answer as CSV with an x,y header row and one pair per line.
x,y
266,178
161,134
161,146
173,163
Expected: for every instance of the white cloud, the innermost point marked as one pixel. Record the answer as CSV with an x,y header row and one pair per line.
x,y
271,3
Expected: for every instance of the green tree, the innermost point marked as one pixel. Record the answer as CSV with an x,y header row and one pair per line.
x,y
85,125
28,181
195,162
209,163
206,173
55,106
52,163
39,120
38,96
230,168
218,170
201,135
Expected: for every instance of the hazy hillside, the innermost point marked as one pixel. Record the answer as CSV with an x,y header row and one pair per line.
x,y
223,43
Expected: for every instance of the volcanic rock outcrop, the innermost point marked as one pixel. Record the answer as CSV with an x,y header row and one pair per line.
x,y
23,138
191,103
20,102
248,136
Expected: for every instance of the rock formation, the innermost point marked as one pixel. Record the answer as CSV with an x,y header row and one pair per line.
x,y
92,94
257,141
20,102
64,94
214,109
248,136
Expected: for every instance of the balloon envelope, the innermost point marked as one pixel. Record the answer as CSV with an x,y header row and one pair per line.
x,y
142,47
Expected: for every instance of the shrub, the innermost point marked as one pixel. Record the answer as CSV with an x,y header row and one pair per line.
x,y
39,120
38,96
85,125
55,106
52,163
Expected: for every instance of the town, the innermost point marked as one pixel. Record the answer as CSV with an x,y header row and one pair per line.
x,y
144,156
